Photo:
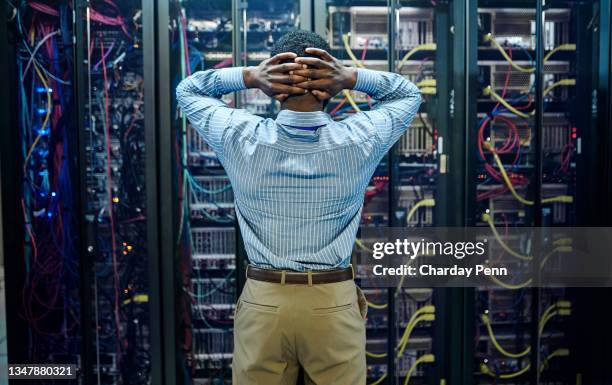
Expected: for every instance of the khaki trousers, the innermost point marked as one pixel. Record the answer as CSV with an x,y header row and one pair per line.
x,y
278,328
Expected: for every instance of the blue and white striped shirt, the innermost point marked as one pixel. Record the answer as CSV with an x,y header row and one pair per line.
x,y
299,180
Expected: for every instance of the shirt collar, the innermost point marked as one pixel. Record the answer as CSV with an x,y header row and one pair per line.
x,y
307,121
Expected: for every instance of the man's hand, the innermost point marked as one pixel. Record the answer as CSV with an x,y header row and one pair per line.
x,y
274,78
326,75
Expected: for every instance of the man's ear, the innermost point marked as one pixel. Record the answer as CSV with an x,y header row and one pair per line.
x,y
321,96
281,97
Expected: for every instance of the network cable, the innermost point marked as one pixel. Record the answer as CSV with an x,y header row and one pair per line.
x,y
559,198
428,202
488,91
484,368
424,359
408,55
563,47
487,322
559,308
424,314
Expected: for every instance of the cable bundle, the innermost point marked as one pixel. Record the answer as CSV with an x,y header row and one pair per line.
x,y
50,294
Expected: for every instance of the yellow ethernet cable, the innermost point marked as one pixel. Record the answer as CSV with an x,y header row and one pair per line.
x,y
563,242
490,38
487,322
360,244
487,218
427,83
377,306
428,91
425,313
557,312
422,203
380,380
489,92
558,249
558,198
351,101
562,82
376,355
563,47
424,359
349,51
422,47
45,121
495,96
484,369
557,353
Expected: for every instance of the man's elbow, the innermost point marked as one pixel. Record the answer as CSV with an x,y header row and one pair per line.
x,y
181,89
415,92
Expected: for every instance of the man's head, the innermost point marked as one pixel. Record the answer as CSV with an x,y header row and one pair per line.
x,y
296,42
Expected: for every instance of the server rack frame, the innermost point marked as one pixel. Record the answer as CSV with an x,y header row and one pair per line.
x,y
151,187
10,161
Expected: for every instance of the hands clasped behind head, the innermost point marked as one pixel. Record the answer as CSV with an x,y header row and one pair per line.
x,y
287,74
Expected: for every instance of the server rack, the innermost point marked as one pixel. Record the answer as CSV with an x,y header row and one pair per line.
x,y
407,338
35,192
525,88
115,85
84,206
204,239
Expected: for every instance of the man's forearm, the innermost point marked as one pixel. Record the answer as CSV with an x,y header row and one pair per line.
x,y
385,86
212,83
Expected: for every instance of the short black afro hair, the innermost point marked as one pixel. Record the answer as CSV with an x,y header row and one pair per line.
x,y
297,41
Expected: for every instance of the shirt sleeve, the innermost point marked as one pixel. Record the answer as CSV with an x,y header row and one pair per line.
x,y
199,96
399,102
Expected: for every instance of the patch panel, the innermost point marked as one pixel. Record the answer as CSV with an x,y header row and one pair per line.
x,y
213,242
517,26
408,197
417,140
367,26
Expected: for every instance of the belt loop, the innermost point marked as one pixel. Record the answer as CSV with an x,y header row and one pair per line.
x,y
309,277
283,274
352,271
246,272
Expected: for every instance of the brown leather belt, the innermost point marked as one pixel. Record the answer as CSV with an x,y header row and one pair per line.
x,y
300,278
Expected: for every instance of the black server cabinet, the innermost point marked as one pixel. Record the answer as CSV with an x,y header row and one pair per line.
x,y
533,114
115,86
80,183
38,172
